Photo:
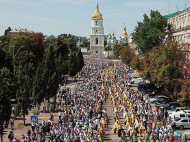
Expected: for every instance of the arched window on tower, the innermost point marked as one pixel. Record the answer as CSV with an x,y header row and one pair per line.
x,y
96,23
96,40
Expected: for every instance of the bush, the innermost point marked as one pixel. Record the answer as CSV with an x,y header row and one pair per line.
x,y
112,56
36,112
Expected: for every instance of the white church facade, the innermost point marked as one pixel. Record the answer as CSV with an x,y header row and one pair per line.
x,y
97,32
112,40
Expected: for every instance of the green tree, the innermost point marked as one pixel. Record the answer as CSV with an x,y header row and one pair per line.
x,y
50,73
73,64
86,44
162,66
51,40
62,49
151,32
136,63
7,30
65,66
6,91
80,59
127,55
70,40
5,60
118,48
33,46
37,47
25,57
22,39
39,88
46,79
24,82
107,48
4,42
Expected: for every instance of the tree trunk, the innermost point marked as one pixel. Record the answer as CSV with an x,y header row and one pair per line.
x,y
24,118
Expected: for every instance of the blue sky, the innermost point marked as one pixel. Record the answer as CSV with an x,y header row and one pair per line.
x,y
74,16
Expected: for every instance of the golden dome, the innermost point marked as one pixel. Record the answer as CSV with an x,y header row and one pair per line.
x,y
97,14
124,32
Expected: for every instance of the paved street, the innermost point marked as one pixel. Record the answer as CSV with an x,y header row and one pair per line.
x,y
110,136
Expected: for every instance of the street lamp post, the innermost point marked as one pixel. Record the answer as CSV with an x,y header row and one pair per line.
x,y
57,48
14,55
1,45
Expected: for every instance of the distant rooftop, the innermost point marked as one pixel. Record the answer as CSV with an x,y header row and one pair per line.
x,y
172,14
175,13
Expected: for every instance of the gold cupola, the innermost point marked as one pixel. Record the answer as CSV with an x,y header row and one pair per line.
x,y
97,15
125,32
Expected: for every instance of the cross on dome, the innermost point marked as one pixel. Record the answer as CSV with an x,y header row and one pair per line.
x,y
97,15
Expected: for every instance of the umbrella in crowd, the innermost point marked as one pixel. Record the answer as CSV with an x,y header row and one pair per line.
x,y
177,133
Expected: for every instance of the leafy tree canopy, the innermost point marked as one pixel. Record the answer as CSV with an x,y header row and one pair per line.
x,y
151,32
73,64
6,91
118,48
5,60
80,59
127,55
162,66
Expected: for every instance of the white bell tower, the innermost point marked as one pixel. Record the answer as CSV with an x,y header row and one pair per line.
x,y
97,32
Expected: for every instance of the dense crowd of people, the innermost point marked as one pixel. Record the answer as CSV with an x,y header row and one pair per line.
x,y
141,122
82,116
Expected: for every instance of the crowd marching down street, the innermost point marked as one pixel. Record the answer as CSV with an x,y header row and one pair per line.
x,y
83,116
